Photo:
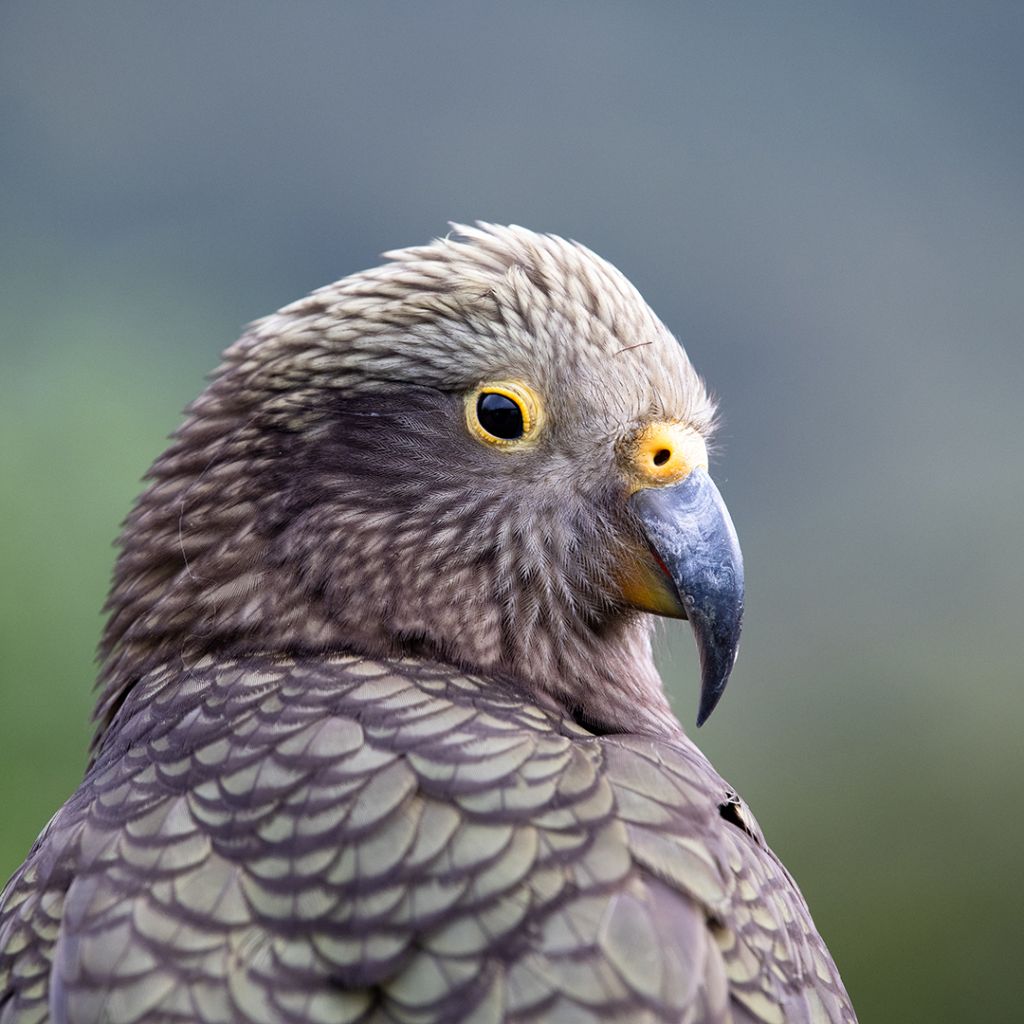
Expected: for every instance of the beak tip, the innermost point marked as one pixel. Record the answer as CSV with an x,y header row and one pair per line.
x,y
717,659
710,695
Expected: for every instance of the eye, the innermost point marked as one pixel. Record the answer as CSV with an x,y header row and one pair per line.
x,y
503,413
500,415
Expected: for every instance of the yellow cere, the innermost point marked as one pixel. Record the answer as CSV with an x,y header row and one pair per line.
x,y
665,453
524,397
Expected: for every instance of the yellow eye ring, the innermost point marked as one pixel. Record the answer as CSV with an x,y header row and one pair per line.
x,y
503,413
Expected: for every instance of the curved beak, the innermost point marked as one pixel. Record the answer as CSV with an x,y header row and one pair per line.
x,y
694,542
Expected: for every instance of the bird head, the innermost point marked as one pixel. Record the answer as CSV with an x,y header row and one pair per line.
x,y
488,451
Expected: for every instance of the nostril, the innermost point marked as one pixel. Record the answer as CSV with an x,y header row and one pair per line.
x,y
661,456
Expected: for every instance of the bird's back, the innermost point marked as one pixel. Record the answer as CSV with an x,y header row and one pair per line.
x,y
350,841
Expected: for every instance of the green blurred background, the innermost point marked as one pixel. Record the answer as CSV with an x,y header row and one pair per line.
x,y
825,202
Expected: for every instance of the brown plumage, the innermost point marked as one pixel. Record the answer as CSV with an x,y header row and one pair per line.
x,y
380,737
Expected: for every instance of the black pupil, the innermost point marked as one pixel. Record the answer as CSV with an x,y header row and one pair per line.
x,y
500,416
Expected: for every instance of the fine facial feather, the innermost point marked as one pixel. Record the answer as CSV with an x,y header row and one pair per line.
x,y
330,446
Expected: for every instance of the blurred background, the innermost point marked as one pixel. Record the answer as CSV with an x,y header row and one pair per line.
x,y
824,202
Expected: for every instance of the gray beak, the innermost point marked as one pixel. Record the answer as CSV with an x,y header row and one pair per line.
x,y
690,532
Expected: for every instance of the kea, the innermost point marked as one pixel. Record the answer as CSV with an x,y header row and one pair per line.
x,y
380,737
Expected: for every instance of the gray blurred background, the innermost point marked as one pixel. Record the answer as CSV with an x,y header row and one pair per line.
x,y
824,202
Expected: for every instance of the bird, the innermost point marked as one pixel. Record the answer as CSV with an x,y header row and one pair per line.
x,y
379,736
